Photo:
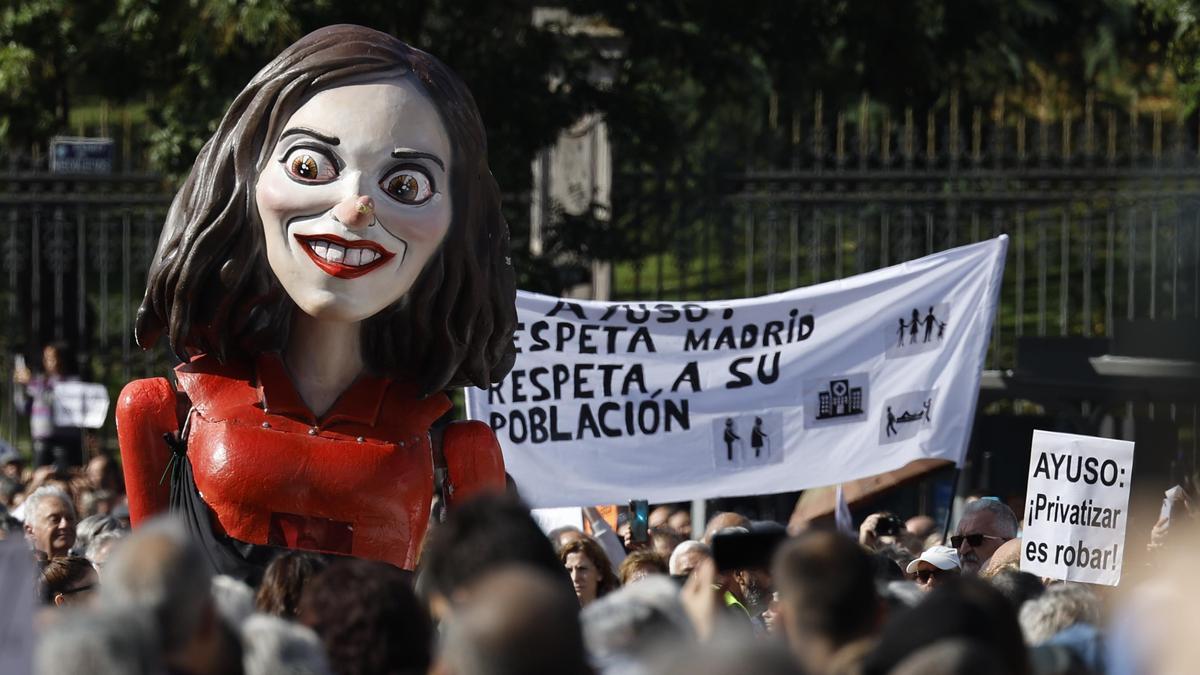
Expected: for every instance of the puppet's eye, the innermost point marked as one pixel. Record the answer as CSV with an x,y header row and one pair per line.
x,y
308,165
408,185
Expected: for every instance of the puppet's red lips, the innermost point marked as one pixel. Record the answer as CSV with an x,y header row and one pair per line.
x,y
343,258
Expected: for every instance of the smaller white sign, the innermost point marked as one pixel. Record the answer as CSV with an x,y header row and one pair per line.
x,y
70,154
554,518
1077,504
80,404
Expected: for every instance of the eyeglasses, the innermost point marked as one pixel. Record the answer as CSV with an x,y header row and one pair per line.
x,y
924,576
975,540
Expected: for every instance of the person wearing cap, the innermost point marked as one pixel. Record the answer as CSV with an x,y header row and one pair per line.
x,y
935,567
11,462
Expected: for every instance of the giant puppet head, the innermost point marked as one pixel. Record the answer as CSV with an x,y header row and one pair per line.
x,y
348,181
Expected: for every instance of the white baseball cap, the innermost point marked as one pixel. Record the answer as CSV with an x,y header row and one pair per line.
x,y
941,557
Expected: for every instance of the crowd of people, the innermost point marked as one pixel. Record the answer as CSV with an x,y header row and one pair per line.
x,y
495,595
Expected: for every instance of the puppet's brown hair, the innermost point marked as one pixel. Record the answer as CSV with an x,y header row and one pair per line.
x,y
210,287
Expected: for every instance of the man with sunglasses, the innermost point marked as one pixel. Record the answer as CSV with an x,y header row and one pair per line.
x,y
936,566
983,526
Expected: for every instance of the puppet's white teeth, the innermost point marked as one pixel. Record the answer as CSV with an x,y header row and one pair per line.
x,y
351,257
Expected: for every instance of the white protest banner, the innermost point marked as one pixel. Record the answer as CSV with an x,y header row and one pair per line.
x,y
1077,504
670,401
80,404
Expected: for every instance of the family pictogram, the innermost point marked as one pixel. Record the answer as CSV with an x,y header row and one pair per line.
x,y
917,332
913,328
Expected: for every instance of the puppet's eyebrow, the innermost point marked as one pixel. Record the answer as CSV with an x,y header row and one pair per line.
x,y
405,153
331,140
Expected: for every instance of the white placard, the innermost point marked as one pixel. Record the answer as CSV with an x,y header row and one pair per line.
x,y
552,519
673,401
80,404
1077,503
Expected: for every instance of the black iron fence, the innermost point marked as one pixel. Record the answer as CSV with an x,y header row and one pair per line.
x,y
75,252
1100,205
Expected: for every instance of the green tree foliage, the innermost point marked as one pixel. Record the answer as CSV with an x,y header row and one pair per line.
x,y
46,47
186,59
190,57
708,89
701,90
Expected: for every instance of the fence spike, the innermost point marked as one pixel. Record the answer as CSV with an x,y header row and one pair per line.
x,y
885,139
1021,137
1066,137
864,130
795,139
909,140
840,139
1089,125
977,136
998,130
818,142
1043,130
954,140
1111,153
1177,139
1134,148
1156,141
930,138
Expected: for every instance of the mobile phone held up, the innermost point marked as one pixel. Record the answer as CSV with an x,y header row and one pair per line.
x,y
889,526
639,521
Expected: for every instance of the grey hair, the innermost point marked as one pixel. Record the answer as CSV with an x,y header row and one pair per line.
x,y
633,622
98,541
273,646
35,499
161,571
1017,586
234,599
1059,608
99,642
90,527
682,550
1006,520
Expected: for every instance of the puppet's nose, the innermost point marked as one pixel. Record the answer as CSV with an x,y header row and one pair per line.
x,y
355,212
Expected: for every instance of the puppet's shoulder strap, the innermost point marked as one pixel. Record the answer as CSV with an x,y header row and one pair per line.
x,y
146,411
472,460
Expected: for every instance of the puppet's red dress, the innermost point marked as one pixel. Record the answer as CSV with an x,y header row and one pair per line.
x,y
260,472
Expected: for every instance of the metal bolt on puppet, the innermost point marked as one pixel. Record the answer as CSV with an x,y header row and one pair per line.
x,y
335,260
